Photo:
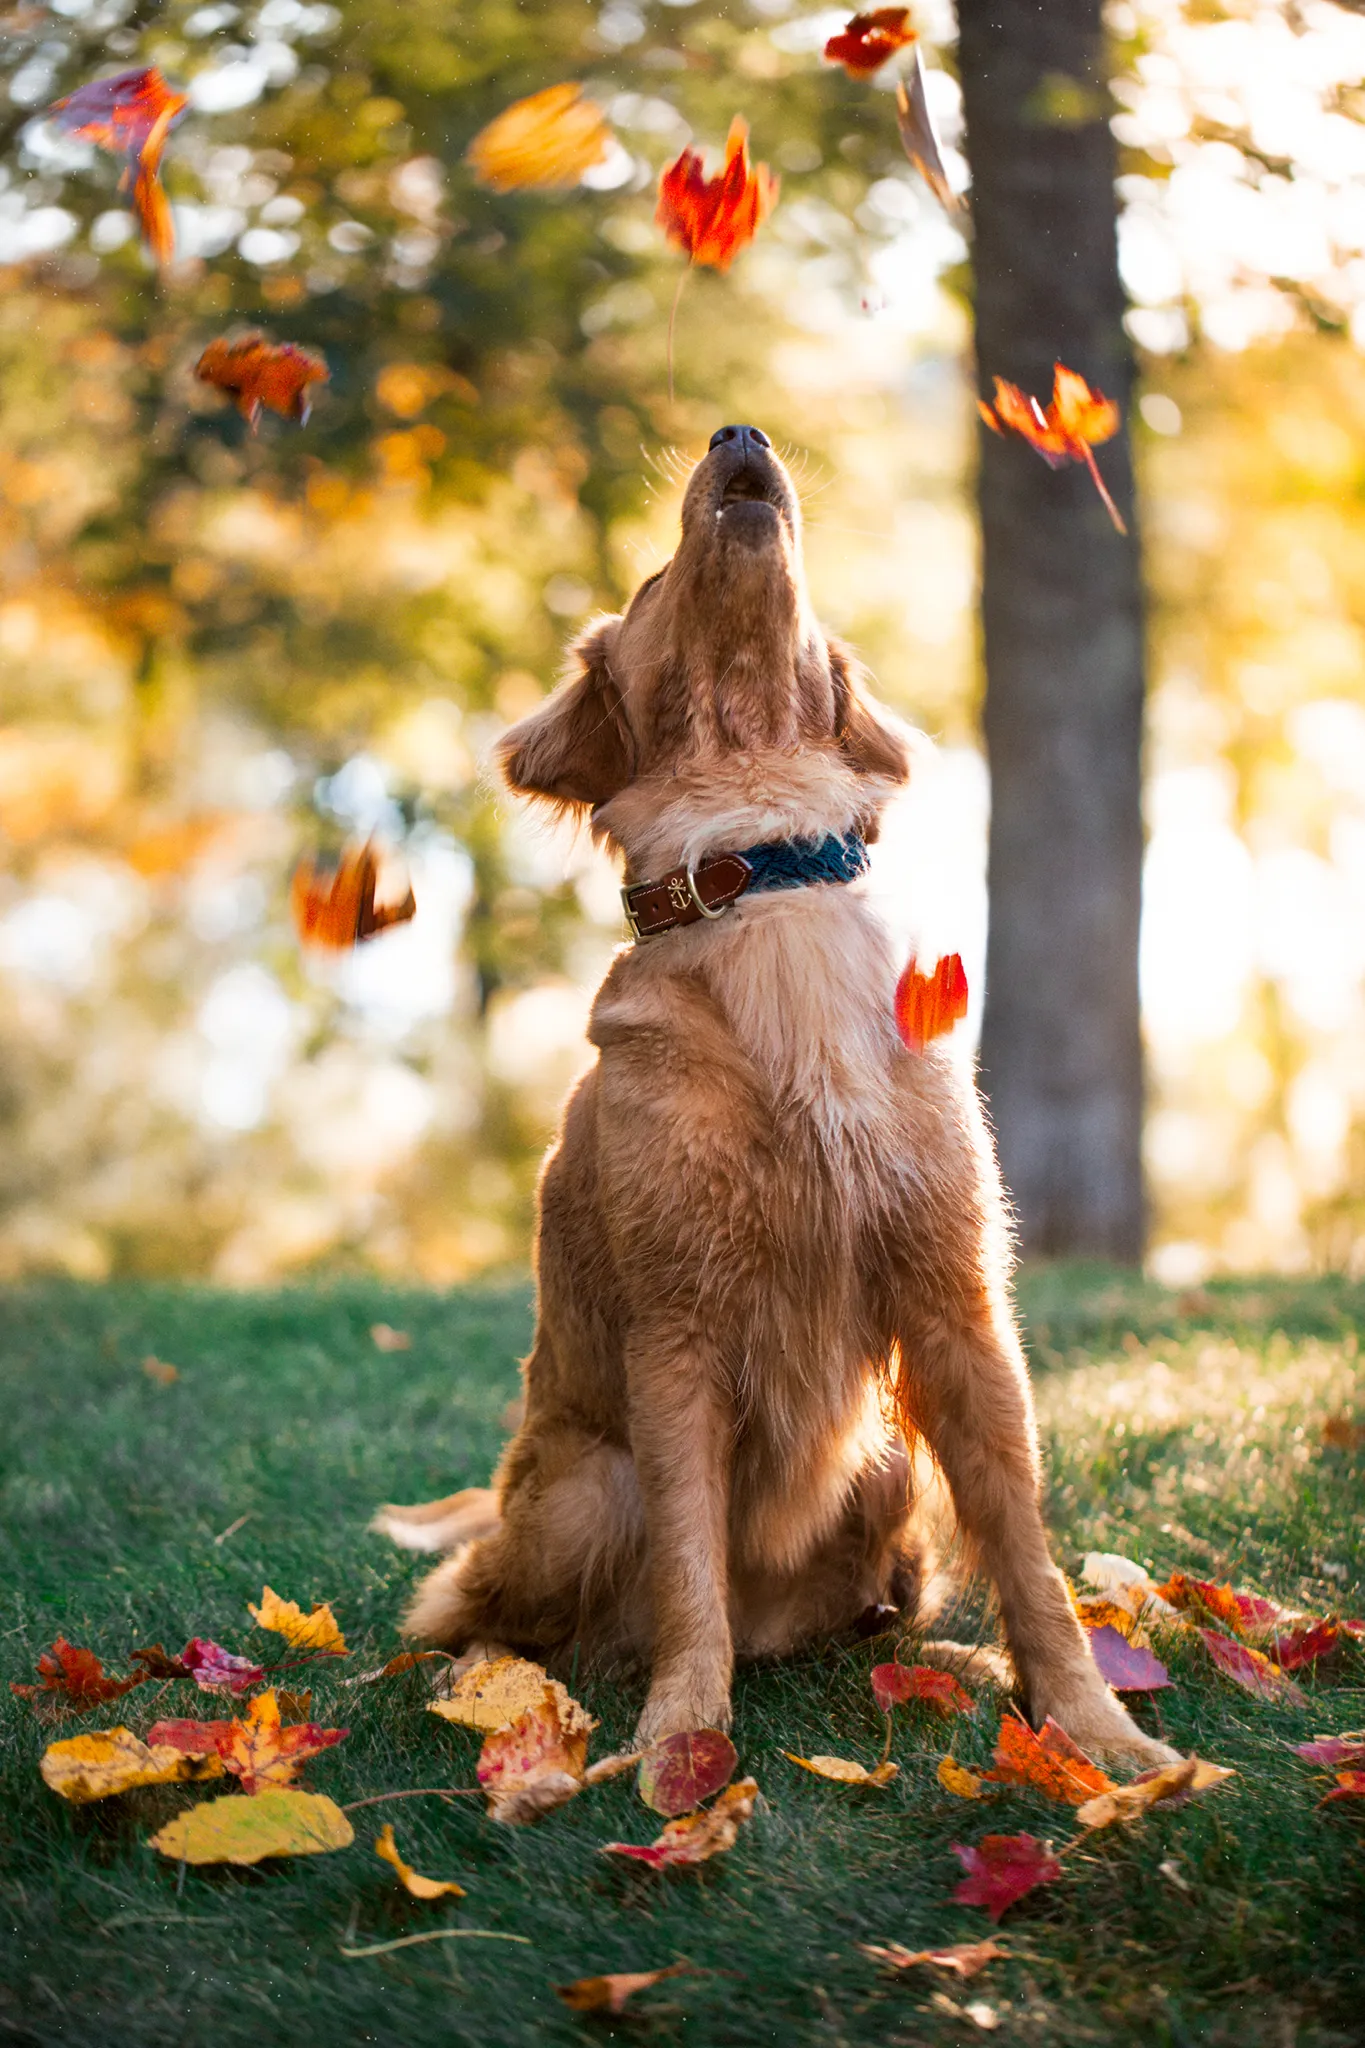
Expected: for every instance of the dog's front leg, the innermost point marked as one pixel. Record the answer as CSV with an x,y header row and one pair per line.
x,y
680,1428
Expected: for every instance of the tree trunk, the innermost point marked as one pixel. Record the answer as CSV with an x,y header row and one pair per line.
x,y
1061,1054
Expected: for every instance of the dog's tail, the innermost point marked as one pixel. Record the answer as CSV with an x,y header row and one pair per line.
x,y
439,1525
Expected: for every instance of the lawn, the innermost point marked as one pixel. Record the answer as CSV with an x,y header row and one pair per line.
x,y
1184,1431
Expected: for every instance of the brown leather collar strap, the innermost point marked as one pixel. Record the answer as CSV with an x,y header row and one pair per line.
x,y
686,895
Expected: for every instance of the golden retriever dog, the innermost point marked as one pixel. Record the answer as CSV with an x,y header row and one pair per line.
x,y
773,1250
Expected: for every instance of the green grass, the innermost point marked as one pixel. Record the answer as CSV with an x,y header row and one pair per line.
x,y
1184,1431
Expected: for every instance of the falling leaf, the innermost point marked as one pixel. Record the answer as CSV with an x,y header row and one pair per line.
x,y
279,1822
1343,1434
713,218
678,1773
697,1836
863,45
548,140
1333,1750
1001,1869
73,1678
97,1766
1169,1784
315,1631
410,1879
1076,421
261,1750
927,1005
1123,1664
333,905
1305,1645
955,1778
1249,1669
158,1370
1349,1785
919,138
895,1684
256,373
384,1337
963,1959
215,1669
406,1660
1047,1762
131,115
492,1694
535,1764
844,1770
609,1994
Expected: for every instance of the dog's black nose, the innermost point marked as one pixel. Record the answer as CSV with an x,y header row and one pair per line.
x,y
747,437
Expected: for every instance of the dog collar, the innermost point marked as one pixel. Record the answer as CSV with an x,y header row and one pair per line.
x,y
689,893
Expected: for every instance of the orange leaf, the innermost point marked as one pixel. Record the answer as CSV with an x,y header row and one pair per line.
x,y
1049,1762
682,1770
550,139
535,1764
412,1881
1001,1869
316,1630
609,1994
1349,1785
1343,1434
713,218
74,1679
697,1836
1075,422
256,372
844,1771
957,1779
863,45
927,1005
894,1684
1305,1645
1249,1669
131,116
260,1750
334,906
963,1959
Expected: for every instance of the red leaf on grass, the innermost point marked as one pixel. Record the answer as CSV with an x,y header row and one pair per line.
x,y
695,1837
1075,422
1249,1669
1305,1645
683,1770
1124,1666
256,373
215,1669
130,115
1049,1762
863,45
1001,1869
713,218
1349,1785
1221,1603
927,1005
194,1738
1333,1750
893,1685
75,1678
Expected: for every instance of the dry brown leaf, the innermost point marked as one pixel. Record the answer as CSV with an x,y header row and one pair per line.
x,y
1172,1782
963,1959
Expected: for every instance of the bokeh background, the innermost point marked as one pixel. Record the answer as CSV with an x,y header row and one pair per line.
x,y
220,650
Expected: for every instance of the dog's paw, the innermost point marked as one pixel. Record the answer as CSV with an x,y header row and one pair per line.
x,y
1107,1732
681,1712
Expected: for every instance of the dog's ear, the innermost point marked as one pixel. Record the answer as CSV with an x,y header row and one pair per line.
x,y
871,737
577,749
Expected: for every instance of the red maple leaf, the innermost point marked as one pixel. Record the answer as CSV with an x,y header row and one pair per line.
x,y
1072,426
131,115
927,1005
1001,1869
713,218
256,372
75,1678
863,45
894,1684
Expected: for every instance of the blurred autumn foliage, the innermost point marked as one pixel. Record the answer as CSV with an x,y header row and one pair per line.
x,y
220,650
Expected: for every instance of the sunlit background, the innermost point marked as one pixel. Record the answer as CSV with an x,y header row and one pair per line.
x,y
217,652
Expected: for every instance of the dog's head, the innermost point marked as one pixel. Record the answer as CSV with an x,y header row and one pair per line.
x,y
716,678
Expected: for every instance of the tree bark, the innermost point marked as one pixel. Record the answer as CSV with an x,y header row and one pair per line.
x,y
1061,1053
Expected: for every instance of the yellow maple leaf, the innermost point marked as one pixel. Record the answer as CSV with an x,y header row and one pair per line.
x,y
315,1631
279,1822
115,1760
412,1880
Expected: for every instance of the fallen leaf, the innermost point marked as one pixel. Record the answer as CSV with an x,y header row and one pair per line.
x,y
385,1338
1349,1785
548,140
613,1766
680,1772
1104,1613
1127,1583
844,1771
1342,1433
1123,1665
1001,1869
863,45
963,1959
536,1764
256,373
1333,1750
1048,1762
295,1706
215,1669
697,1836
73,1678
278,1822
131,115
928,1005
893,1685
609,1994
1169,1784
190,1738
158,1370
261,1750
713,218
315,1631
406,1660
333,904
955,1778
411,1880
1249,1669
493,1693
919,138
115,1760
1075,422
157,1663
1305,1645
1222,1603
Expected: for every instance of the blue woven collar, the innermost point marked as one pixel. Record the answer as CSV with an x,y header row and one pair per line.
x,y
793,863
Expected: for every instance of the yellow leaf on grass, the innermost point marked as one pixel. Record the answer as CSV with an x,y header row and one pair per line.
x,y
1156,1788
411,1880
115,1760
246,1829
500,1690
844,1770
957,1779
315,1631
